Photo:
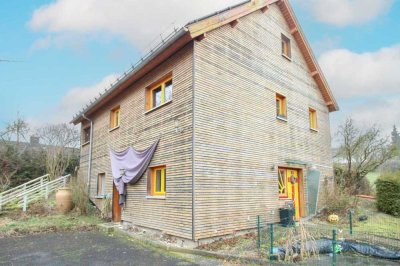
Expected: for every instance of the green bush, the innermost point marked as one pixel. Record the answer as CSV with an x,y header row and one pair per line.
x,y
388,193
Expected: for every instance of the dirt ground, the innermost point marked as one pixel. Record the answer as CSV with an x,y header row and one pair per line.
x,y
79,248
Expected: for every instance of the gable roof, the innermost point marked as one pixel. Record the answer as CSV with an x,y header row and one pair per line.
x,y
197,29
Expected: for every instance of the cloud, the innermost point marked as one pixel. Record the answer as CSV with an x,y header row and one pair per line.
x,y
138,22
76,98
346,12
353,74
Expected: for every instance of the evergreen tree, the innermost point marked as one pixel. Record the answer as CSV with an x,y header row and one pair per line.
x,y
395,137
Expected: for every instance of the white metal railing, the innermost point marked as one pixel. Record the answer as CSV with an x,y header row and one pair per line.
x,y
33,190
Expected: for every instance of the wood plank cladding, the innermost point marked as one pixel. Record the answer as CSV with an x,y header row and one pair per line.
x,y
237,138
140,128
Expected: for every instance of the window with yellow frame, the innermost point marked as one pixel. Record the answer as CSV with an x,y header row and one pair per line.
x,y
160,93
286,48
115,117
313,118
281,106
157,181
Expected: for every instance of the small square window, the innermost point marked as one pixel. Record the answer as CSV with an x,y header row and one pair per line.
x,y
286,48
159,94
101,184
156,185
313,118
281,106
115,117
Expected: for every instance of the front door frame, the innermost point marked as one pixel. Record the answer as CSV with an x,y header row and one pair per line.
x,y
116,208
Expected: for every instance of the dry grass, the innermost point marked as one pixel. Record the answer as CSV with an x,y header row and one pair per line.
x,y
43,217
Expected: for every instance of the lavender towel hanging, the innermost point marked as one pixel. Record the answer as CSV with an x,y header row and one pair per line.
x,y
128,166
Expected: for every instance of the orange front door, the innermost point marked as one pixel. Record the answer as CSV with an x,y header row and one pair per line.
x,y
289,187
116,208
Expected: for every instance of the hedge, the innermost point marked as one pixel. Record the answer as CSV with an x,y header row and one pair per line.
x,y
388,193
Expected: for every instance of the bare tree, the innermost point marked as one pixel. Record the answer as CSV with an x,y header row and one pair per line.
x,y
360,152
60,141
17,130
10,152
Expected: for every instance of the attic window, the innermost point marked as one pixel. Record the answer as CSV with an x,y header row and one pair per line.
x,y
286,48
160,93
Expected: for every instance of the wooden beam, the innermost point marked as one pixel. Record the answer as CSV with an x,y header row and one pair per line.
x,y
294,30
200,37
264,9
234,23
314,73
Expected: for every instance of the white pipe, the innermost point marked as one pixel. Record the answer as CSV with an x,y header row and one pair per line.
x,y
90,152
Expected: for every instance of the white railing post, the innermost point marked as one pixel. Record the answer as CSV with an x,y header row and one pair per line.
x,y
41,186
46,196
1,200
64,181
25,204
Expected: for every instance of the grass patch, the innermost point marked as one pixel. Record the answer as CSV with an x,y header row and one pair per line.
x,y
372,177
43,217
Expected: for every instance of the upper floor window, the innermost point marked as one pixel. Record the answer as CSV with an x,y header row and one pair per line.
x,y
86,135
159,94
115,117
313,118
286,48
156,185
281,106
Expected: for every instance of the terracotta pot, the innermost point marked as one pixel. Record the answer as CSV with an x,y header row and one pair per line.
x,y
64,199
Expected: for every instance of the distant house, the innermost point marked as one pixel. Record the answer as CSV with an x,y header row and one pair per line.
x,y
241,109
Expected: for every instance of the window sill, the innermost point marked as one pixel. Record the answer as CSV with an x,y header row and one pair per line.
x,y
314,130
115,128
155,108
156,197
281,118
287,57
86,143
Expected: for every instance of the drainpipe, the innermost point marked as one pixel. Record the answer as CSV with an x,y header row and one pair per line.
x,y
90,152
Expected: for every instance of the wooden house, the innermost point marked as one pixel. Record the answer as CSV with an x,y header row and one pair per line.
x,y
241,109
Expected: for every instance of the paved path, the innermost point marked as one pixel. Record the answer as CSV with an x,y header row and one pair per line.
x,y
79,248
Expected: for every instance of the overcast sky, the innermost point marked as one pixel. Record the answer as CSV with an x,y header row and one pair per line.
x,y
67,51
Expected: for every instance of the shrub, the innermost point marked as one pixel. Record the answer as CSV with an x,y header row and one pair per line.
x,y
79,196
387,193
337,200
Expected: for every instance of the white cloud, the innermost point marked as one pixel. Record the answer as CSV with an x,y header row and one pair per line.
x,y
137,21
353,74
75,99
346,12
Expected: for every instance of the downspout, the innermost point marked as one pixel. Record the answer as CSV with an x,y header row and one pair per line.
x,y
90,153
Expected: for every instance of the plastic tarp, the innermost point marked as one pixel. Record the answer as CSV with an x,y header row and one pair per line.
x,y
128,167
324,246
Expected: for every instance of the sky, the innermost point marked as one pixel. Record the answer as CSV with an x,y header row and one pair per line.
x,y
55,55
